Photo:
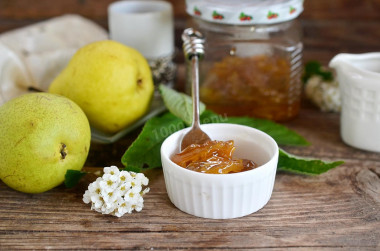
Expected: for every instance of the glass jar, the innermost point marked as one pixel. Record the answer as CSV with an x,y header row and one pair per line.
x,y
253,56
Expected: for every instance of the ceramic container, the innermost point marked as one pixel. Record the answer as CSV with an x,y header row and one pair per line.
x,y
223,196
359,84
146,26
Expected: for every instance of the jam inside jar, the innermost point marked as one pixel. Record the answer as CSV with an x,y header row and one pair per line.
x,y
251,67
257,86
213,157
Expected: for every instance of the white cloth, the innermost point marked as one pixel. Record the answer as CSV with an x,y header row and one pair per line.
x,y
34,55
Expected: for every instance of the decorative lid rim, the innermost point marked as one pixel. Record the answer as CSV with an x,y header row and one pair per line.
x,y
280,11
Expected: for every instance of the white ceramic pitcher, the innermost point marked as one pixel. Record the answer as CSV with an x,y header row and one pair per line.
x,y
359,81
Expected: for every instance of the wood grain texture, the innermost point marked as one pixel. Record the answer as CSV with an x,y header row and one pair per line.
x,y
338,210
329,26
41,9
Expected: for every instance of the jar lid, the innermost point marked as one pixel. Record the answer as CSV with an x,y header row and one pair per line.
x,y
245,11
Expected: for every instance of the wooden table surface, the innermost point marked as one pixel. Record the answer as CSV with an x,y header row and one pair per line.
x,y
336,210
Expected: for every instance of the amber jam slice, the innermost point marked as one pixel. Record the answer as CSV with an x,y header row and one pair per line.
x,y
212,157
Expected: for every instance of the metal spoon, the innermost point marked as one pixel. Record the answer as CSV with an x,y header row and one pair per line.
x,y
193,49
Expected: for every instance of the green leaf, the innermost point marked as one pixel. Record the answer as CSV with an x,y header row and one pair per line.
x,y
315,68
291,163
280,133
144,153
179,104
72,177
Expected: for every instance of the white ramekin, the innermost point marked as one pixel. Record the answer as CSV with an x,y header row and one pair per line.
x,y
223,196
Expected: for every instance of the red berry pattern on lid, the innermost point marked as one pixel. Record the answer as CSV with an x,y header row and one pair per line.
x,y
197,12
272,15
216,15
255,12
244,17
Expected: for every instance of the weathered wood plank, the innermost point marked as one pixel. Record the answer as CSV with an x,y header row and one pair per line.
x,y
319,212
329,27
40,9
189,240
336,210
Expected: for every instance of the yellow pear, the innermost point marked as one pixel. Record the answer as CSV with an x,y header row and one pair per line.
x,y
42,135
111,82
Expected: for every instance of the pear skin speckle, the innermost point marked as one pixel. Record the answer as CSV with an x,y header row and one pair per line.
x,y
111,82
41,136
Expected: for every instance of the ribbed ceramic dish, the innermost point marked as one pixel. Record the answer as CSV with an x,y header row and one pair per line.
x,y
223,196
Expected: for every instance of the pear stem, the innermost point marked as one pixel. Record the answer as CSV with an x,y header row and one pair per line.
x,y
63,153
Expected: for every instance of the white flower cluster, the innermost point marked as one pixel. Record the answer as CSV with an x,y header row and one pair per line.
x,y
325,95
117,192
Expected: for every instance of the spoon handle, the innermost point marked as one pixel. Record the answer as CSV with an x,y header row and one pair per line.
x,y
195,90
194,50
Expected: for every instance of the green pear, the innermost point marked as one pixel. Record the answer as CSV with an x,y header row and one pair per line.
x,y
111,82
42,135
